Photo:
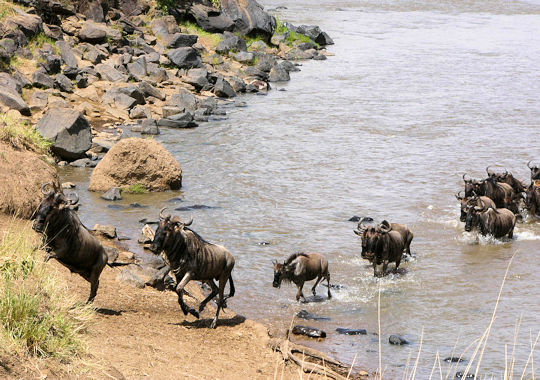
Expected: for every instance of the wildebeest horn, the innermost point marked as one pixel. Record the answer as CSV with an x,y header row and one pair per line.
x,y
43,189
505,172
458,197
464,179
385,226
161,216
190,221
361,225
75,200
487,171
528,164
176,219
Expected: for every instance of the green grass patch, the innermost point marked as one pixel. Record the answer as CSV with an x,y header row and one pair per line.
x,y
216,3
21,135
212,39
293,38
7,9
37,314
138,188
41,39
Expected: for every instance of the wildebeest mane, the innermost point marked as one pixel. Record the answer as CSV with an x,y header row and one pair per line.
x,y
65,226
292,257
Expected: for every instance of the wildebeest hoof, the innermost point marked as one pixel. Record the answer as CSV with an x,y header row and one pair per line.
x,y
194,312
213,325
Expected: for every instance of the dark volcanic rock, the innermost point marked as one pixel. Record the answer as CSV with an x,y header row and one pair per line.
x,y
304,314
109,73
67,54
41,79
138,68
461,375
311,332
148,90
397,340
231,42
197,78
185,57
63,83
357,218
278,74
68,130
249,17
93,33
223,89
345,331
211,19
11,99
113,194
181,120
173,41
453,359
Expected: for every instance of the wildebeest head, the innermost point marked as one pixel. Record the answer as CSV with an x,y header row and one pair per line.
x,y
535,171
473,214
279,269
463,203
369,238
53,203
471,186
166,227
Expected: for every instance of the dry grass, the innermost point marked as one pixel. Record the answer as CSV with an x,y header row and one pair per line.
x,y
19,134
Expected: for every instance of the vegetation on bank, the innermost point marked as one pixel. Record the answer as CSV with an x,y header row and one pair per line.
x,y
138,188
37,315
293,38
21,135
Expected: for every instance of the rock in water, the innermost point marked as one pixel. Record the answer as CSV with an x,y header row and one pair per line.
x,y
311,332
68,130
106,230
397,340
136,161
113,194
304,314
345,331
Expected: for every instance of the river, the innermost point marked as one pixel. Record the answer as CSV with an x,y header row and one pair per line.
x,y
416,94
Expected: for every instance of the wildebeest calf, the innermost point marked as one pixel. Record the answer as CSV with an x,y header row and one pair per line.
x,y
302,267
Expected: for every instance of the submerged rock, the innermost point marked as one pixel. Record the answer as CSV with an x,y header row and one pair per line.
x,y
311,332
304,314
345,331
397,340
113,194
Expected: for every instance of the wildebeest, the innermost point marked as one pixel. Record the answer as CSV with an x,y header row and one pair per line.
x,y
489,220
472,186
302,267
535,171
382,245
517,185
192,258
532,199
498,192
472,201
405,232
68,239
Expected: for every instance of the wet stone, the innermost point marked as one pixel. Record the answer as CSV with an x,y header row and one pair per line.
x,y
461,375
453,359
304,314
310,332
397,340
113,194
345,331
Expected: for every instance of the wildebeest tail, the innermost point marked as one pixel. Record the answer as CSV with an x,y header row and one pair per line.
x,y
115,264
231,287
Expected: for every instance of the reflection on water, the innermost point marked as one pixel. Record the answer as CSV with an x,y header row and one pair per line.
x,y
417,94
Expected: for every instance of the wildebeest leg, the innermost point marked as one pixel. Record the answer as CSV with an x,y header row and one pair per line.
x,y
231,292
511,233
328,283
384,267
316,283
397,265
93,278
212,294
222,281
180,292
299,294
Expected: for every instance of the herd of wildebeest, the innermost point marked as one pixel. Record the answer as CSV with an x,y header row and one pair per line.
x,y
491,205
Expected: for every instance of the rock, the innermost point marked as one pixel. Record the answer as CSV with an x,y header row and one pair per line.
x,y
184,100
278,39
453,359
311,332
258,46
185,57
254,72
149,127
139,112
223,89
397,340
10,82
83,163
106,230
109,73
278,74
11,99
316,34
138,68
289,66
68,185
119,99
306,46
356,218
94,54
211,19
148,232
63,83
51,63
148,90
169,111
197,78
38,101
231,42
93,33
237,84
68,130
345,331
320,57
112,254
136,161
130,278
113,194
41,79
29,24
304,314
249,17
181,120
244,57
173,41
144,239
461,375
164,26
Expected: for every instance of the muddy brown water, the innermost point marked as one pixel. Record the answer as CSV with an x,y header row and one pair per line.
x,y
416,94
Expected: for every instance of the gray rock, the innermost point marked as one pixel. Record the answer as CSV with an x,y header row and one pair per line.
x,y
237,84
11,99
107,230
41,79
10,82
119,98
278,39
159,75
278,74
51,63
148,90
345,331
152,57
94,54
258,46
316,34
130,278
231,42
29,24
249,17
304,314
397,340
83,163
320,57
289,66
38,101
185,57
113,194
181,120
306,46
244,57
173,41
169,111
311,332
112,254
223,89
255,72
138,68
109,73
164,26
63,83
197,78
184,99
92,32
211,19
149,127
67,54
139,112
68,130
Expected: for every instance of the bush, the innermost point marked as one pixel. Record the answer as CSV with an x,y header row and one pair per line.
x,y
37,315
19,134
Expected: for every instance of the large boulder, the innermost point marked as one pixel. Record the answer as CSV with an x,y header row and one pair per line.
x,y
185,57
68,130
231,42
211,19
93,32
12,100
136,161
249,17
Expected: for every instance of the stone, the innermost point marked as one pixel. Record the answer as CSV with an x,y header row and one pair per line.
x,y
397,340
258,46
306,46
211,19
315,34
51,63
223,89
197,78
136,161
344,331
173,41
106,230
164,26
93,32
67,185
83,163
95,54
237,84
68,130
113,194
41,79
453,359
249,17
231,42
169,111
12,100
278,39
278,74
138,68
67,54
461,375
63,83
112,254
29,24
119,99
244,57
149,127
148,90
304,314
130,278
181,120
256,73
109,73
185,57
139,112
184,99
289,66
320,57
311,332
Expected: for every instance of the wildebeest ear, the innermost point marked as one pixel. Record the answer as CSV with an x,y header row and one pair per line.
x,y
357,232
274,262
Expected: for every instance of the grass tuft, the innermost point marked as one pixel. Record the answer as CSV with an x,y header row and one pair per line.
x,y
138,188
211,40
293,38
37,315
19,134
41,39
7,9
